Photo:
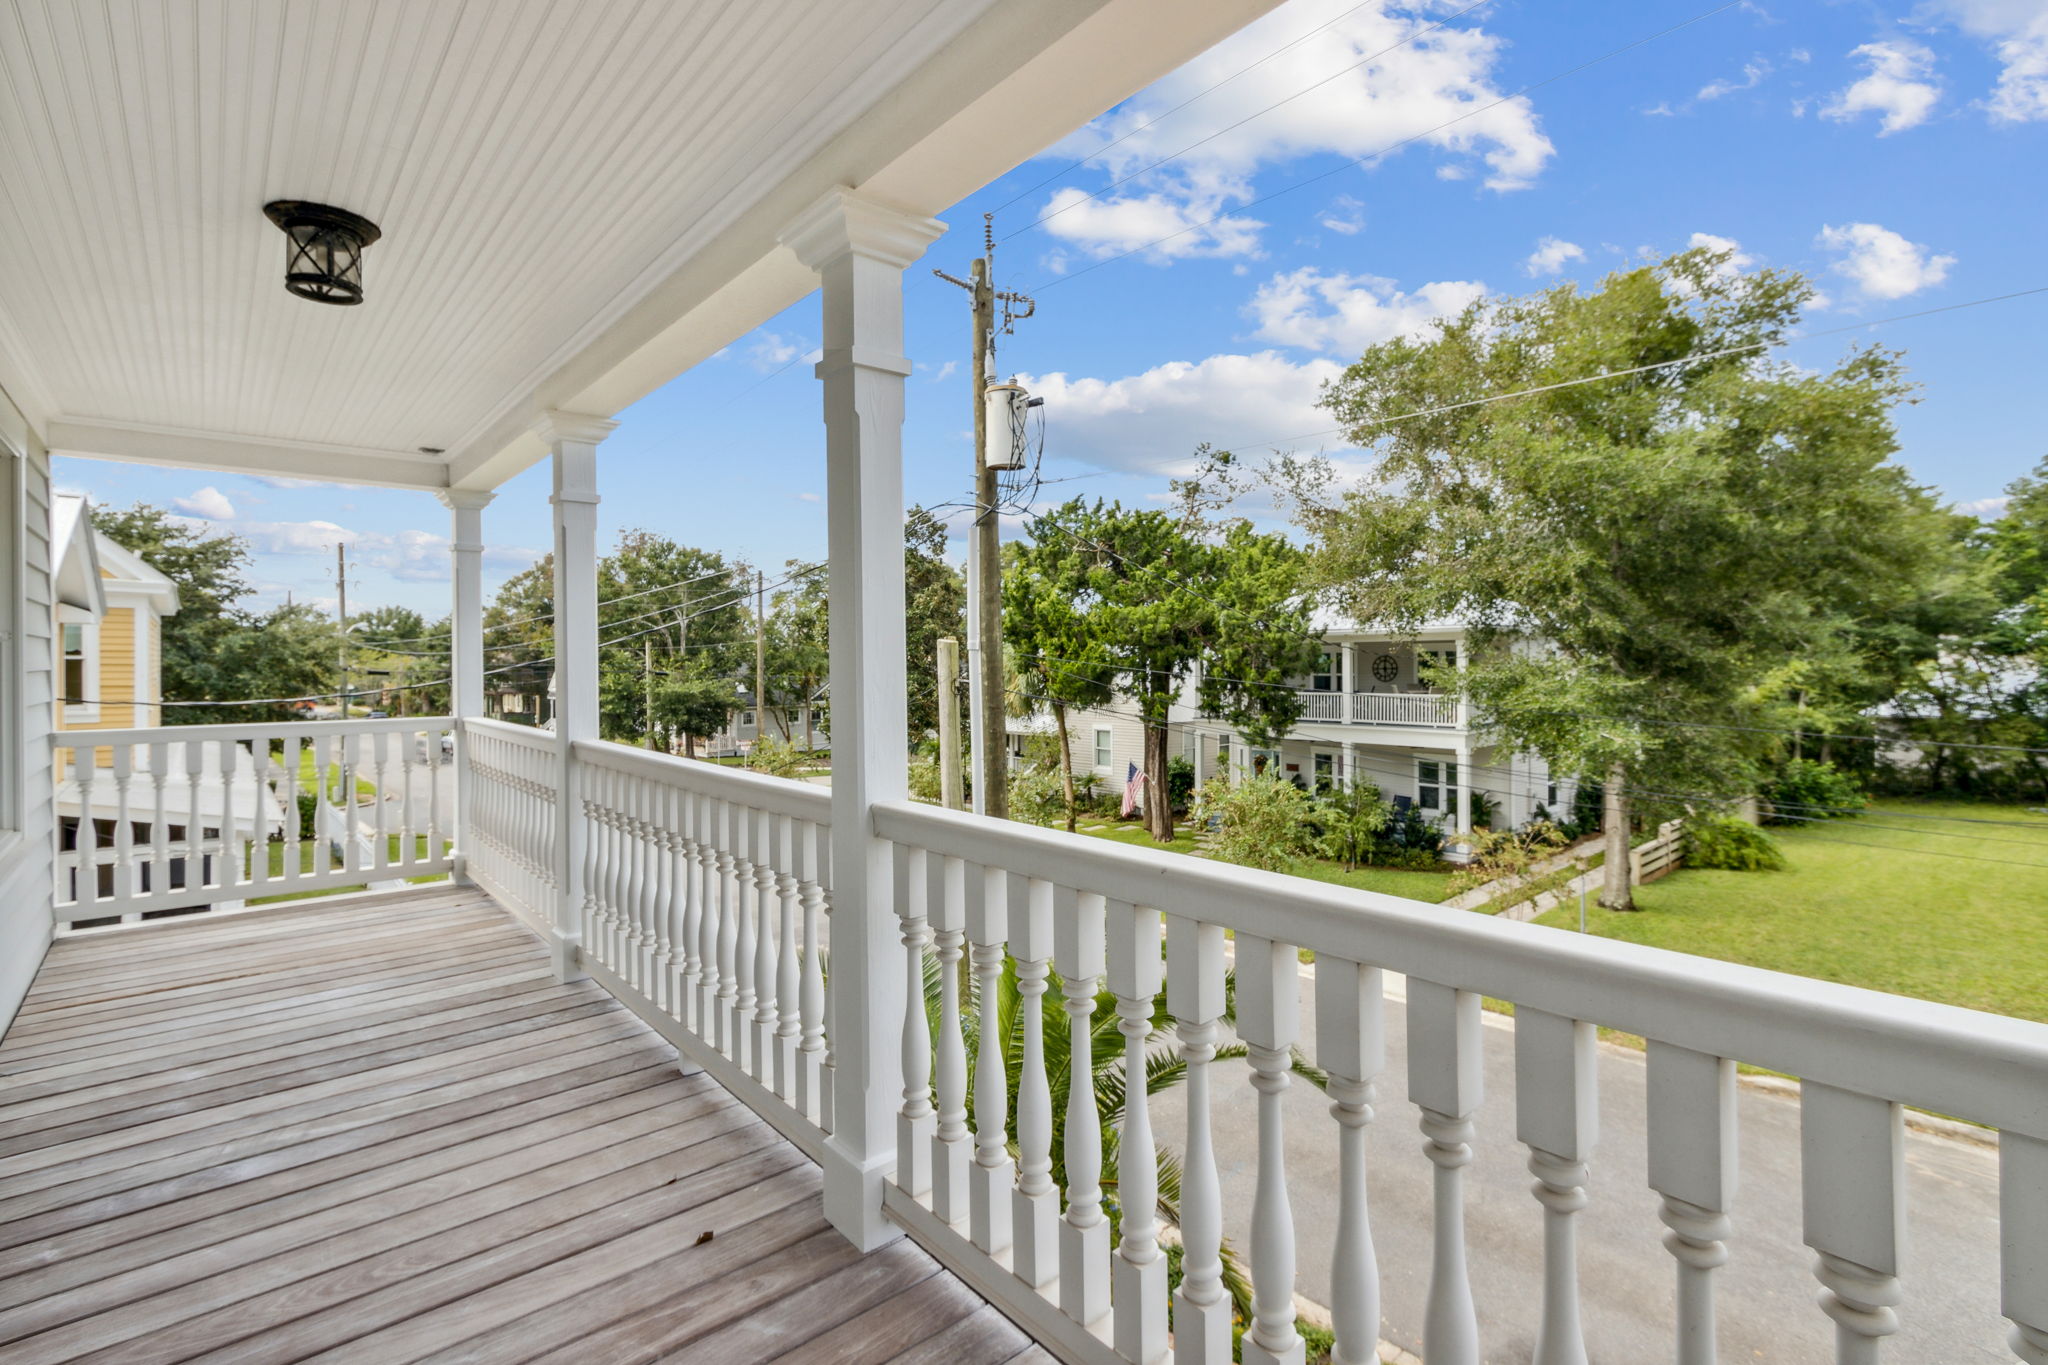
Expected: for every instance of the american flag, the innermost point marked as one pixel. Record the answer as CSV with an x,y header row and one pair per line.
x,y
1133,784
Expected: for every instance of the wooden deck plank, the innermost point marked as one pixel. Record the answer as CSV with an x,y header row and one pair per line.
x,y
383,1132
985,1335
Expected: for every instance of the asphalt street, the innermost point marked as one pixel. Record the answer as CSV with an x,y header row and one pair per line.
x,y
1767,1310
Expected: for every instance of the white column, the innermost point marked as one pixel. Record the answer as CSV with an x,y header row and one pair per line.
x,y
1347,674
859,247
572,439
466,639
1464,802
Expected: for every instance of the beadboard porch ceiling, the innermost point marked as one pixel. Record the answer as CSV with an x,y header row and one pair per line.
x,y
578,200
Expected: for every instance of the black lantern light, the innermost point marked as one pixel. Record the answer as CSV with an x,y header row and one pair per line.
x,y
324,256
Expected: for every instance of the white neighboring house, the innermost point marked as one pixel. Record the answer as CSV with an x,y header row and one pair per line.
x,y
787,723
1366,713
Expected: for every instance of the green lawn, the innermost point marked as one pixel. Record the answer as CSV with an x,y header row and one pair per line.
x,y
1892,900
311,850
1421,886
308,780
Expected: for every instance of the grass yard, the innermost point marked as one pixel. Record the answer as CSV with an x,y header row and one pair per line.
x,y
312,849
1892,900
309,780
1422,886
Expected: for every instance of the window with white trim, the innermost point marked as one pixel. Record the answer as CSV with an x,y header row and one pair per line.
x,y
78,664
1436,786
1105,748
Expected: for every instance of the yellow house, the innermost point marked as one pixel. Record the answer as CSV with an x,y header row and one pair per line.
x,y
110,610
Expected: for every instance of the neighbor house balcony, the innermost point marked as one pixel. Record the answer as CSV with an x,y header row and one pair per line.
x,y
345,1042
1410,710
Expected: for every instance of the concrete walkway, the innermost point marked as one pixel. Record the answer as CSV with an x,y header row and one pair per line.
x,y
1950,1313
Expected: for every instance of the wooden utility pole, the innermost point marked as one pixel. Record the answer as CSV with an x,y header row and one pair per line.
x,y
760,655
985,683
949,725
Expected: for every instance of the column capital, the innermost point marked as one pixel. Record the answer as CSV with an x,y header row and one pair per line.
x,y
464,499
847,222
577,428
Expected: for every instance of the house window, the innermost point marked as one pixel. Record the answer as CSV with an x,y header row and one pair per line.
x,y
1326,772
74,663
1104,750
1223,753
1325,678
1551,799
1436,786
746,720
1190,742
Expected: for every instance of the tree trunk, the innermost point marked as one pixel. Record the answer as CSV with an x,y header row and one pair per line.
x,y
1158,810
1059,715
1615,892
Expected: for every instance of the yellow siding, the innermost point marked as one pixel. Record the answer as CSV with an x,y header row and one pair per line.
x,y
117,696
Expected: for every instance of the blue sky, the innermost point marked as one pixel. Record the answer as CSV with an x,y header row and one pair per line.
x,y
1896,152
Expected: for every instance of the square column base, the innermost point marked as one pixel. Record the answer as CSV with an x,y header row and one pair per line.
x,y
1140,1292
914,1153
988,1213
1201,1332
853,1198
951,1162
1035,1237
1084,1271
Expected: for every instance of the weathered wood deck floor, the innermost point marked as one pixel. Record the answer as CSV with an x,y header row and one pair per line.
x,y
382,1132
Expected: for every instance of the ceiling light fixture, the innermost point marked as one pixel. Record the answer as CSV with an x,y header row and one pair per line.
x,y
324,253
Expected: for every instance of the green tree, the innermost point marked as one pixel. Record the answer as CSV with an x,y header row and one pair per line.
x,y
799,652
1264,821
288,651
1349,820
211,573
1058,661
935,608
1163,606
1669,536
695,708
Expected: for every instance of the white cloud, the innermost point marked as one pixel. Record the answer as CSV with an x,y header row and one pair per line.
x,y
208,502
1738,259
1754,72
1883,264
1345,215
1151,422
2018,33
1551,255
410,556
1988,509
939,372
808,497
1661,109
772,351
1308,91
1897,87
1346,313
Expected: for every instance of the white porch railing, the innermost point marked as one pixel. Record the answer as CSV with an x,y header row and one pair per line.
x,y
1092,912
197,816
704,907
1428,710
1432,709
509,828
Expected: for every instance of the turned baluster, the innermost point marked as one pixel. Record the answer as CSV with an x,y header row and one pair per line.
x,y
1351,1048
1691,1108
952,1143
747,854
195,828
85,840
915,1120
1269,1023
124,827
761,1025
1444,1083
1852,1178
380,751
724,1012
1138,1274
1194,996
159,877
227,755
1078,951
595,866
810,1071
988,902
697,892
2023,1235
1035,1201
665,908
1557,1119
789,1015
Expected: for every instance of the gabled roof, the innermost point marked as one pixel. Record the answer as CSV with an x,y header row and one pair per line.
x,y
74,555
128,572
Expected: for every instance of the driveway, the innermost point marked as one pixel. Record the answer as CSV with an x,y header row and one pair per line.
x,y
1767,1311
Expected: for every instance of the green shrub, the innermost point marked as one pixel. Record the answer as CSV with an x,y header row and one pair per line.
x,y
1180,783
1805,790
1036,797
309,808
1731,843
924,779
773,757
1264,821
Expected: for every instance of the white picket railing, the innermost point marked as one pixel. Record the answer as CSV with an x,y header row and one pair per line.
x,y
1092,911
510,826
191,817
705,896
1432,709
1327,706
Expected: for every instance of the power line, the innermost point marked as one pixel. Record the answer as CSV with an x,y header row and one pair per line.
x,y
1397,145
1173,156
